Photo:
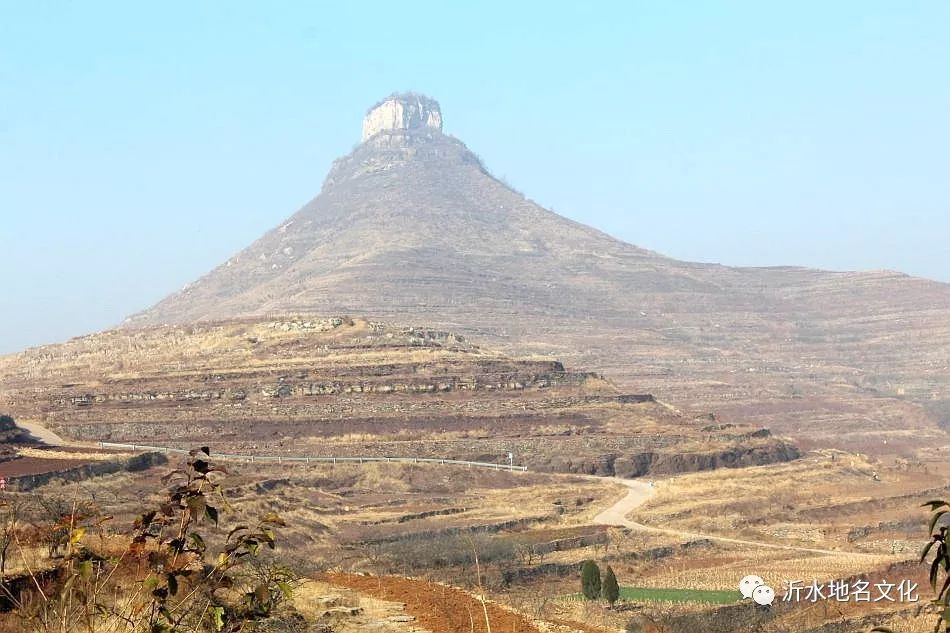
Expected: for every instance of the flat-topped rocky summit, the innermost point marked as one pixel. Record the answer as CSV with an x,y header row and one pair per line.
x,y
400,112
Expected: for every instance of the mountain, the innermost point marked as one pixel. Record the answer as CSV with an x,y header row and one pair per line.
x,y
411,227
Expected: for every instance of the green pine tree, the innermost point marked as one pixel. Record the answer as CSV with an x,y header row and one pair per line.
x,y
590,580
610,590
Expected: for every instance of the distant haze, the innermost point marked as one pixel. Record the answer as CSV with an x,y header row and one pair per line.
x,y
140,146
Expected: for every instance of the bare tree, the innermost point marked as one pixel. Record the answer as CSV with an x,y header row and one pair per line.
x,y
12,508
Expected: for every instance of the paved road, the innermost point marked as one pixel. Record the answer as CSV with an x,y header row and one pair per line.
x,y
639,492
40,433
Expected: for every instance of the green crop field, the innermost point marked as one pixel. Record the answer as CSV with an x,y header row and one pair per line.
x,y
650,594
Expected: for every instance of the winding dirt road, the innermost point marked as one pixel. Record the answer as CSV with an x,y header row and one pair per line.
x,y
640,491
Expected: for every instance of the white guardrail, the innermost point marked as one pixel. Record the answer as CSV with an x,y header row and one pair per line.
x,y
278,459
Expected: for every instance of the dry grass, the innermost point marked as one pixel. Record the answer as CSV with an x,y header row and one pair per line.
x,y
70,455
722,568
186,350
813,501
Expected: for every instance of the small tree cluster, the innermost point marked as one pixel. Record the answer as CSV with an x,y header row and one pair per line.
x,y
594,587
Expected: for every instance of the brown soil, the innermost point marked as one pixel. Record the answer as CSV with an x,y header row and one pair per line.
x,y
21,466
436,607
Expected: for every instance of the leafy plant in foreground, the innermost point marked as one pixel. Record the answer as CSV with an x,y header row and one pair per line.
x,y
168,579
192,587
938,545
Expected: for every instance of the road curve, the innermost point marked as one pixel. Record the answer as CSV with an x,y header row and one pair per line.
x,y
639,492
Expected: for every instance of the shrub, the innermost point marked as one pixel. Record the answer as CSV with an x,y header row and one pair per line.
x,y
590,580
634,626
610,590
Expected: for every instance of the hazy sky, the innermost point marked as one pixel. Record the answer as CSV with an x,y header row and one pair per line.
x,y
143,143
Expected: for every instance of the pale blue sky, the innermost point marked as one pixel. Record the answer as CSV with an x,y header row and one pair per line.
x,y
142,145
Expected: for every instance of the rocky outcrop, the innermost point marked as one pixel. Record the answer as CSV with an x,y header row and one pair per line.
x,y
406,111
740,456
668,459
347,386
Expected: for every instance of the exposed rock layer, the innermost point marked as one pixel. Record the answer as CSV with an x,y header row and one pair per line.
x,y
341,387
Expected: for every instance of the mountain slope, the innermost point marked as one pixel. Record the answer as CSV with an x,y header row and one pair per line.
x,y
410,226
348,387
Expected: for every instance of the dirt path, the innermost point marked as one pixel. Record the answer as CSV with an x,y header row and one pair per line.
x,y
437,607
639,492
42,434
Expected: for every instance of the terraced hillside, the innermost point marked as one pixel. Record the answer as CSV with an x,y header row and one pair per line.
x,y
338,387
411,227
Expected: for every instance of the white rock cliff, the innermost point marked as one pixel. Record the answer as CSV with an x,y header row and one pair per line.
x,y
408,111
